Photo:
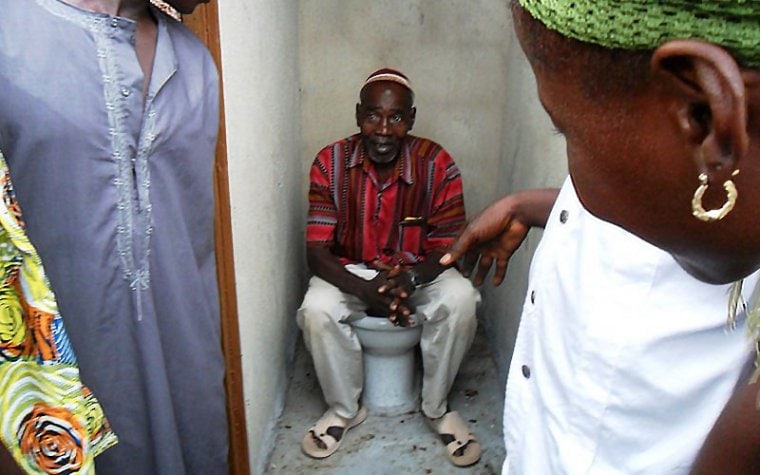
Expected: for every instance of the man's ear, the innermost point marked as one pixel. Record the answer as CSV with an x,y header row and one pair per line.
x,y
412,116
709,99
358,115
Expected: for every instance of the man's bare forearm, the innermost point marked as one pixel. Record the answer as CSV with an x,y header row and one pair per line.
x,y
533,207
326,265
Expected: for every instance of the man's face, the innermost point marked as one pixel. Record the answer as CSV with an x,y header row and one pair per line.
x,y
185,7
385,115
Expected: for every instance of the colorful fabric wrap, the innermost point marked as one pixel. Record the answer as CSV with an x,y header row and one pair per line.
x,y
49,422
646,24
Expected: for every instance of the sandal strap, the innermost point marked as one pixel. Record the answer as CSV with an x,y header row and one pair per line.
x,y
452,423
321,429
456,436
453,431
328,419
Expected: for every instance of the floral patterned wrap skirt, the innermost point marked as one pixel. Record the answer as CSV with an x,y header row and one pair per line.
x,y
49,422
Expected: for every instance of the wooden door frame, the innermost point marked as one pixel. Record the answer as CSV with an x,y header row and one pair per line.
x,y
205,23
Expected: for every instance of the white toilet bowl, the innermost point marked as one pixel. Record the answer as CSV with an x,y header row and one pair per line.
x,y
391,385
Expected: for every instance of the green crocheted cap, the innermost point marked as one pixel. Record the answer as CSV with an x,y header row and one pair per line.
x,y
646,24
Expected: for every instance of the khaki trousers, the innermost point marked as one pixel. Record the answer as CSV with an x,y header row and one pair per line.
x,y
446,309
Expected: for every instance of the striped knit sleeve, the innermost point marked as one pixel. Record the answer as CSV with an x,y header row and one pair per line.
x,y
447,213
323,214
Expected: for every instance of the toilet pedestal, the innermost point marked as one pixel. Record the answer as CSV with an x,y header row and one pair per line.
x,y
391,382
391,385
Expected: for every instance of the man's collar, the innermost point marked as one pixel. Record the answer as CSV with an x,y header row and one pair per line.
x,y
403,169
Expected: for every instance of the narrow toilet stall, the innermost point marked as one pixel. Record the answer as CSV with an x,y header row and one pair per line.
x,y
291,75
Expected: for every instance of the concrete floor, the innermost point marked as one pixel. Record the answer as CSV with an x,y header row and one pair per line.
x,y
394,445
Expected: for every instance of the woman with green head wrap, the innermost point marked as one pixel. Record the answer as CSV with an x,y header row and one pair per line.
x,y
627,369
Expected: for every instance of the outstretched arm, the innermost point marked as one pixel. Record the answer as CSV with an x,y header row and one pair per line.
x,y
733,445
494,235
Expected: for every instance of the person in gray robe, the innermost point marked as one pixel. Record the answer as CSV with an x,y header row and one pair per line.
x,y
108,121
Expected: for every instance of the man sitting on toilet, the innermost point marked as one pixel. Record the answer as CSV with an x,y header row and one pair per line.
x,y
383,208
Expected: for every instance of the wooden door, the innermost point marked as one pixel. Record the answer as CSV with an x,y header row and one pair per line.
x,y
205,23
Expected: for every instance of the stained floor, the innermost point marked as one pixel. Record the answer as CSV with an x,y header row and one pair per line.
x,y
399,444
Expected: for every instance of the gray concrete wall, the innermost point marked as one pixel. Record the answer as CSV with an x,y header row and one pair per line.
x,y
260,65
452,51
531,155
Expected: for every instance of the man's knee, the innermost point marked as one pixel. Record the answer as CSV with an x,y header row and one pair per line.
x,y
315,321
319,310
460,296
462,323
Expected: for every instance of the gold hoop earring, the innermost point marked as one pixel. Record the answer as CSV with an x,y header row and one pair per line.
x,y
699,211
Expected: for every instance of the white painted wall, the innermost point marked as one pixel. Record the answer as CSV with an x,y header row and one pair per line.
x,y
259,41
